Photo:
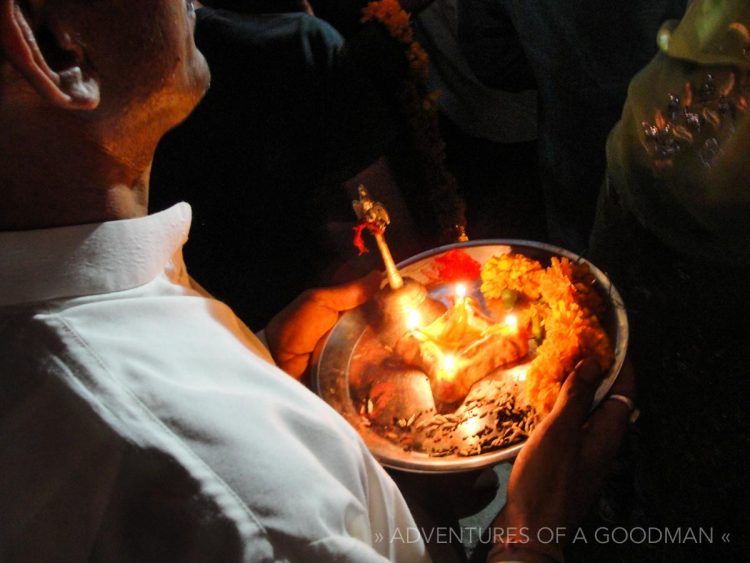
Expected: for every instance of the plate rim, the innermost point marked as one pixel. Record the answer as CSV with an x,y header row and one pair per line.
x,y
472,463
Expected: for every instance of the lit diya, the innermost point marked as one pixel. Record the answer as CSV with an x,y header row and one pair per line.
x,y
460,347
452,368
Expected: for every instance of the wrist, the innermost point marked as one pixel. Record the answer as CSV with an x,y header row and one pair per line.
x,y
518,539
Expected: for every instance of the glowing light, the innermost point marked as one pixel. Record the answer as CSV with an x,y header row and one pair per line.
x,y
413,319
472,425
511,321
449,364
460,291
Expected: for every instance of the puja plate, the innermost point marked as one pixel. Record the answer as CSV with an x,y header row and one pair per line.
x,y
334,381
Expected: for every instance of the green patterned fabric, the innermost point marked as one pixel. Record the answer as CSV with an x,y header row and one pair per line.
x,y
679,157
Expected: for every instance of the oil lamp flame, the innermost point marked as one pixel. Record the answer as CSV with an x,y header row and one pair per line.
x,y
449,364
460,291
413,319
511,321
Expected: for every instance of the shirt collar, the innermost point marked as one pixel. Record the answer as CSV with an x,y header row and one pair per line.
x,y
90,259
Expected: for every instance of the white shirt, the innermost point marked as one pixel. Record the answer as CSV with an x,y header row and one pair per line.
x,y
140,420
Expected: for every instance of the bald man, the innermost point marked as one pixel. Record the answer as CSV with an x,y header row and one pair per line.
x,y
139,419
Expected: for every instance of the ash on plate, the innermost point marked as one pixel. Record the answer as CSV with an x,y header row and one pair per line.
x,y
493,416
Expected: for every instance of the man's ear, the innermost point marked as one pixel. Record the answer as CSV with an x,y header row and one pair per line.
x,y
48,57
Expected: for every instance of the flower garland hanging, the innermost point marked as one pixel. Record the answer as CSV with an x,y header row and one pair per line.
x,y
419,107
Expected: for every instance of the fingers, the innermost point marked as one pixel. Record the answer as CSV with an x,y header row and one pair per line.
x,y
295,365
350,295
609,422
574,401
293,334
625,382
605,430
611,417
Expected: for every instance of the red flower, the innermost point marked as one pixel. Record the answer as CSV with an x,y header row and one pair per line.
x,y
456,265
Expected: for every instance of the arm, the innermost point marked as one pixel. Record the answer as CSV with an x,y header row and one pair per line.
x,y
561,468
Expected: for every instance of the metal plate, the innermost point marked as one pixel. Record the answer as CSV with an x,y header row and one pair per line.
x,y
331,368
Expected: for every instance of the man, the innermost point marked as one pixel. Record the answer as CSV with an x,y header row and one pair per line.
x,y
139,419
98,396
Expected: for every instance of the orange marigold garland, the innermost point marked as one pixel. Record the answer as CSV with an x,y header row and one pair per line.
x,y
565,305
392,16
419,107
512,272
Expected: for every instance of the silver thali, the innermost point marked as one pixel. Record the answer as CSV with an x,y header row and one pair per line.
x,y
333,366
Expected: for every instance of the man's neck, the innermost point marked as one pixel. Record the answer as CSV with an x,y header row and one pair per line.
x,y
65,178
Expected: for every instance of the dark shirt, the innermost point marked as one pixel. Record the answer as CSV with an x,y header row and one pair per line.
x,y
287,118
686,463
583,55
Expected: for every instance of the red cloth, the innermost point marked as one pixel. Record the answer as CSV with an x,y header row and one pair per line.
x,y
359,241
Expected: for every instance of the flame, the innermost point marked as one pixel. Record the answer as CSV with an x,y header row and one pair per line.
x,y
460,291
449,364
511,321
413,319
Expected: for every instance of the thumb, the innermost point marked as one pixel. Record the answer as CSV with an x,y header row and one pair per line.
x,y
577,394
349,295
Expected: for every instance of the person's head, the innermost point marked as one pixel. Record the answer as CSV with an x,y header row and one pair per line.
x,y
115,73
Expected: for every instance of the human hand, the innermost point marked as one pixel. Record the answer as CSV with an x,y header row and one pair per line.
x,y
294,332
562,466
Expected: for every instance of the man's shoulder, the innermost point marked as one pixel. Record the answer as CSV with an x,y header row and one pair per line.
x,y
195,411
94,452
28,341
